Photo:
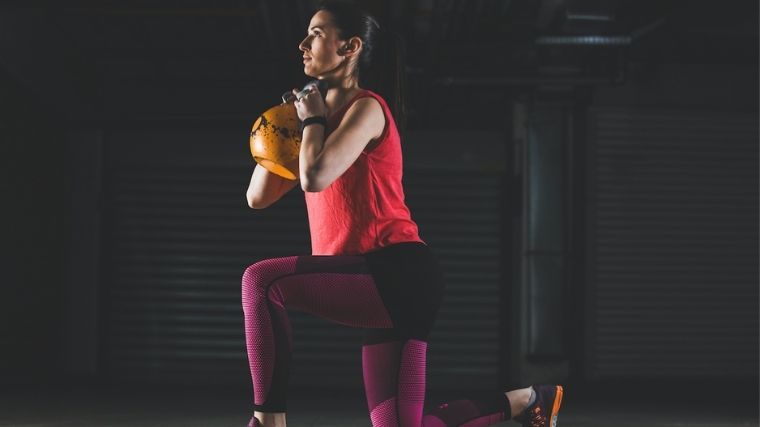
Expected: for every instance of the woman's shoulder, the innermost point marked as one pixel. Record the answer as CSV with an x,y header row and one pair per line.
x,y
365,96
363,100
350,105
368,93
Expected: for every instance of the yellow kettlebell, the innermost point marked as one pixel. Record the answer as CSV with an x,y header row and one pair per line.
x,y
275,139
276,135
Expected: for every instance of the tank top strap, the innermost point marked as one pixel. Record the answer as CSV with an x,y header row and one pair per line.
x,y
364,93
334,119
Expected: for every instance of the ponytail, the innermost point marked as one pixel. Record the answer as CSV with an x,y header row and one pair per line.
x,y
387,74
381,65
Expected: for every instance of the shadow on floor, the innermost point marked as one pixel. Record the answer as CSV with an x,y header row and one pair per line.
x,y
602,405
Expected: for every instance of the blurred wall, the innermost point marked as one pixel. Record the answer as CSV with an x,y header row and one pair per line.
x,y
32,285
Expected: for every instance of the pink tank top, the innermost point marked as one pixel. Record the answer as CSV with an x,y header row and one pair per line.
x,y
363,210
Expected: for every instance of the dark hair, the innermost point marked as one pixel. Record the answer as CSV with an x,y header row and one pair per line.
x,y
381,63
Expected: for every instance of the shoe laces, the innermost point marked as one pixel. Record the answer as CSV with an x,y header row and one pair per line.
x,y
537,417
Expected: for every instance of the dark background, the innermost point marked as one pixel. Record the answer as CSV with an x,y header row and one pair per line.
x,y
586,169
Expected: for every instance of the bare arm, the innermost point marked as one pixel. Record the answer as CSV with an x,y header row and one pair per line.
x,y
322,160
266,188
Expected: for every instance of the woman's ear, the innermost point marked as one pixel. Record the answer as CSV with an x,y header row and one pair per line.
x,y
352,46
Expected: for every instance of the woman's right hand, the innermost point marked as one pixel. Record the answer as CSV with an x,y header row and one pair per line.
x,y
311,104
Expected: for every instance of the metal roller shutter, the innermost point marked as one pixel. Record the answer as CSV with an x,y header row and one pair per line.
x,y
673,244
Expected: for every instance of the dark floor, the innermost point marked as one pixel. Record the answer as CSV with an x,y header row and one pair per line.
x,y
99,406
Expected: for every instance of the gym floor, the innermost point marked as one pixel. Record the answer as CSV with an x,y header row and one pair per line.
x,y
85,406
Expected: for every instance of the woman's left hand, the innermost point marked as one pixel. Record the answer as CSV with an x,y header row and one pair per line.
x,y
311,104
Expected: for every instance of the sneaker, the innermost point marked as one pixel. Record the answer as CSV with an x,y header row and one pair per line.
x,y
543,411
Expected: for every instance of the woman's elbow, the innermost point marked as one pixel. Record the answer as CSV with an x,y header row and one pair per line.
x,y
309,187
256,203
311,183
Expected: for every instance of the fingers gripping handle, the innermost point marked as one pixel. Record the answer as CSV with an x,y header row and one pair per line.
x,y
320,84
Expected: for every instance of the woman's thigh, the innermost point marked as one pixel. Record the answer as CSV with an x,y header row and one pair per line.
x,y
337,288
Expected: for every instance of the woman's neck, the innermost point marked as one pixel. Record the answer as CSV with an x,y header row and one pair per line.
x,y
340,94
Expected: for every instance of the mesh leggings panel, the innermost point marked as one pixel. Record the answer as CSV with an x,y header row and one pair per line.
x,y
342,290
339,289
394,383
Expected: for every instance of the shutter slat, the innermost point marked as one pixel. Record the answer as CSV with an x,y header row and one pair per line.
x,y
674,237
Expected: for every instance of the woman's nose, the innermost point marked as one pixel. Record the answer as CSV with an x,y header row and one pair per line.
x,y
303,46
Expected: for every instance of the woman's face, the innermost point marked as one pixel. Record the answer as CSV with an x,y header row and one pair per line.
x,y
321,47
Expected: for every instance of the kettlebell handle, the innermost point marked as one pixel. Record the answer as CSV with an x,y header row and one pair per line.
x,y
320,84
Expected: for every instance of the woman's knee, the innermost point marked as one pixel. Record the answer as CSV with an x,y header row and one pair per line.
x,y
259,276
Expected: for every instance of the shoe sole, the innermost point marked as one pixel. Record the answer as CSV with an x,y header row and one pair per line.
x,y
555,407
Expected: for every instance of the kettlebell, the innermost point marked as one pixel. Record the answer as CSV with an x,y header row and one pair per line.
x,y
275,139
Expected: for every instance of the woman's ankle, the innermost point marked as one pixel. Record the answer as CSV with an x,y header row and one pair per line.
x,y
518,400
271,419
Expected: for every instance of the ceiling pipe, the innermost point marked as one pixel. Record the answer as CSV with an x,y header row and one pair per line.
x,y
584,40
599,40
589,17
520,81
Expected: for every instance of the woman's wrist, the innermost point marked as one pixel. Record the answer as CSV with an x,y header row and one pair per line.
x,y
312,141
314,120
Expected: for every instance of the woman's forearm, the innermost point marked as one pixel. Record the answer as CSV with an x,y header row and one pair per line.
x,y
312,144
266,187
261,180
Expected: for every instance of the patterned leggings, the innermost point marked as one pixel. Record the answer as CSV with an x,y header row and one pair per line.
x,y
343,289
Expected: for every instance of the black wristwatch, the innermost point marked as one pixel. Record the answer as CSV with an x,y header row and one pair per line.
x,y
314,119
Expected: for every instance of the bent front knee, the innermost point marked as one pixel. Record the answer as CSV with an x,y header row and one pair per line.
x,y
258,276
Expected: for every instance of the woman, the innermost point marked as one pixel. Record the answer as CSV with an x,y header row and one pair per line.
x,y
369,268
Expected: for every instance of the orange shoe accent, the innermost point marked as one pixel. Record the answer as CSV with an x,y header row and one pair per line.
x,y
555,407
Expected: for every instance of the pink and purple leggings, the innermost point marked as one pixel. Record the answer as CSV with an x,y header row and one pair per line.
x,y
394,293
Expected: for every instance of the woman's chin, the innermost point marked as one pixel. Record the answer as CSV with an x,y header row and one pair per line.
x,y
309,70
